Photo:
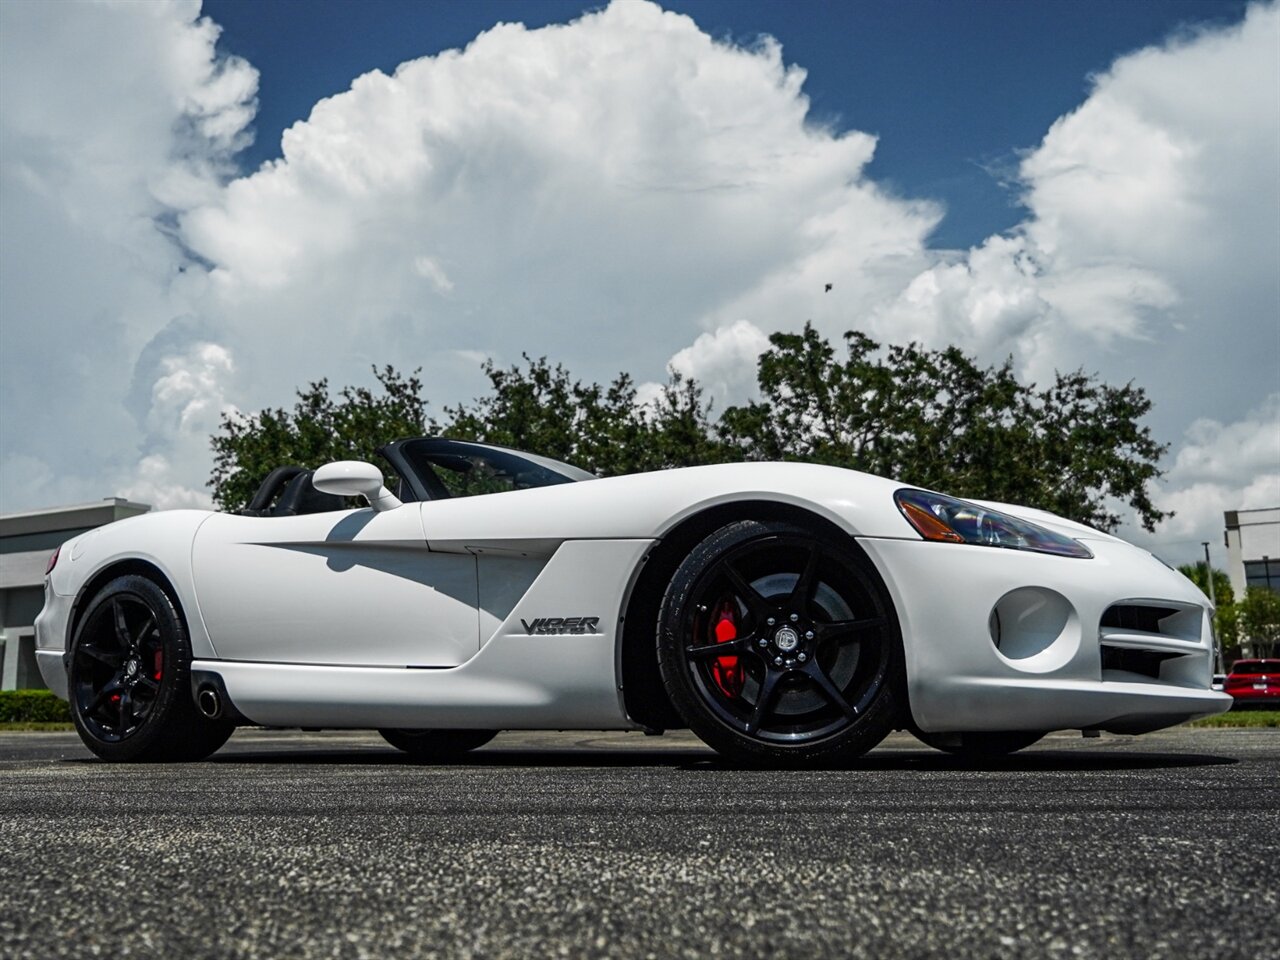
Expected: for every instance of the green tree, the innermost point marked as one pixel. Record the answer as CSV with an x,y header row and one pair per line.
x,y
321,427
542,409
1260,621
936,419
1226,614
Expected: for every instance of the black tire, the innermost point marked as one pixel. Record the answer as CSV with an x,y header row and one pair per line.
x,y
810,669
437,744
129,680
980,746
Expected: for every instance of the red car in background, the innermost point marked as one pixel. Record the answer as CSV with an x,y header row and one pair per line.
x,y
1254,682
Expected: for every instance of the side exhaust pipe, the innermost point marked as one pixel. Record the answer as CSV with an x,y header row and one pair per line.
x,y
211,696
209,701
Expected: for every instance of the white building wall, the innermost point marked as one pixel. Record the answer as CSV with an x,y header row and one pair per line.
x,y
1251,535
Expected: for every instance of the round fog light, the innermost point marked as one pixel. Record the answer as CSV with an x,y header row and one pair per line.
x,y
1034,628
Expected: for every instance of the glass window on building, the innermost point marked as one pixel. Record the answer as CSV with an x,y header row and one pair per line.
x,y
1263,573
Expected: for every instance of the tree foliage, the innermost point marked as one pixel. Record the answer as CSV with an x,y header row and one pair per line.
x,y
931,418
540,408
1259,613
320,428
936,419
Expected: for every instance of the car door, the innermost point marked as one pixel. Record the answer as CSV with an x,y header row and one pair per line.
x,y
354,587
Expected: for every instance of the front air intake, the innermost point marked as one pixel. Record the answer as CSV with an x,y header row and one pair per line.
x,y
1147,663
1136,616
1146,640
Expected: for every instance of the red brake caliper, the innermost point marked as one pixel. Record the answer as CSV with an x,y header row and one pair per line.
x,y
727,671
158,664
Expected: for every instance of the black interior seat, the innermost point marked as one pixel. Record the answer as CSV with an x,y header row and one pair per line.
x,y
301,497
287,492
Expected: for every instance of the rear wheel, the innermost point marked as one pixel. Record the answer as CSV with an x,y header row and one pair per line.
x,y
780,646
130,679
437,744
980,746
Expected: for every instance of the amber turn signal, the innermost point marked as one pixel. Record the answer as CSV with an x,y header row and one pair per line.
x,y
929,526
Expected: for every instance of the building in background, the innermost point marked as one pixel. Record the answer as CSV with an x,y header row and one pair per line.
x,y
1253,549
26,541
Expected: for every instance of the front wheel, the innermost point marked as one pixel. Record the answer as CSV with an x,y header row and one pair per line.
x,y
780,646
437,744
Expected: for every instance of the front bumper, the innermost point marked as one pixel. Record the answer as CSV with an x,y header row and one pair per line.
x,y
1052,675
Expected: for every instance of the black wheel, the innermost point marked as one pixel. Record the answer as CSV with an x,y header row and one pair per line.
x,y
980,746
780,646
437,744
130,679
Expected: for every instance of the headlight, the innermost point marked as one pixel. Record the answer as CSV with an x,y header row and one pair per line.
x,y
949,520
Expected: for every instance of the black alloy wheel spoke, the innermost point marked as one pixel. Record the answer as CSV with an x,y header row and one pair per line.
x,y
829,689
126,709
768,690
748,594
146,683
806,582
730,648
112,686
846,630
121,624
145,631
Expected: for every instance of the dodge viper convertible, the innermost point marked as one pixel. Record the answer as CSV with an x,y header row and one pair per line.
x,y
787,613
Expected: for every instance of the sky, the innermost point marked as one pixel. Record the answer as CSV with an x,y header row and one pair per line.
x,y
902,71
202,208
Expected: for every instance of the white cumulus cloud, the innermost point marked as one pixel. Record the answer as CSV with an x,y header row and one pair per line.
x,y
114,119
595,192
1153,240
1218,467
1223,453
724,360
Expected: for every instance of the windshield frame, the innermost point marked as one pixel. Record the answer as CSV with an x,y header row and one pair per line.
x,y
420,481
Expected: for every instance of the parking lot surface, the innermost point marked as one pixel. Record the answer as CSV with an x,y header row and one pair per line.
x,y
288,844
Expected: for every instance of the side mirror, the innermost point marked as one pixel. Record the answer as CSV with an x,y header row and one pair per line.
x,y
355,478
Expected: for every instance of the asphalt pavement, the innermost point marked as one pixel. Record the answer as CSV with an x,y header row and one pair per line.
x,y
288,844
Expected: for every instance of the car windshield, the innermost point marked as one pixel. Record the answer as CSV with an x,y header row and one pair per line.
x,y
459,468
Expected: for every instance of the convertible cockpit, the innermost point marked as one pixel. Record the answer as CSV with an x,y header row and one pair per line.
x,y
422,468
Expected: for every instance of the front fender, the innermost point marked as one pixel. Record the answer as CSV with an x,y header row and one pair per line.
x,y
161,540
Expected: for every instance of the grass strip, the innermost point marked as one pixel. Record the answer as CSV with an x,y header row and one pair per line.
x,y
1241,718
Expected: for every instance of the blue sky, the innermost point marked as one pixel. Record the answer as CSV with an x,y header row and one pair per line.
x,y
953,89
208,205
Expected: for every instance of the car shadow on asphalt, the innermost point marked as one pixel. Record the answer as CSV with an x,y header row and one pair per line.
x,y
697,760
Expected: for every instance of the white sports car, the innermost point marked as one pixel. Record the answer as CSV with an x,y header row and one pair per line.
x,y
785,612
